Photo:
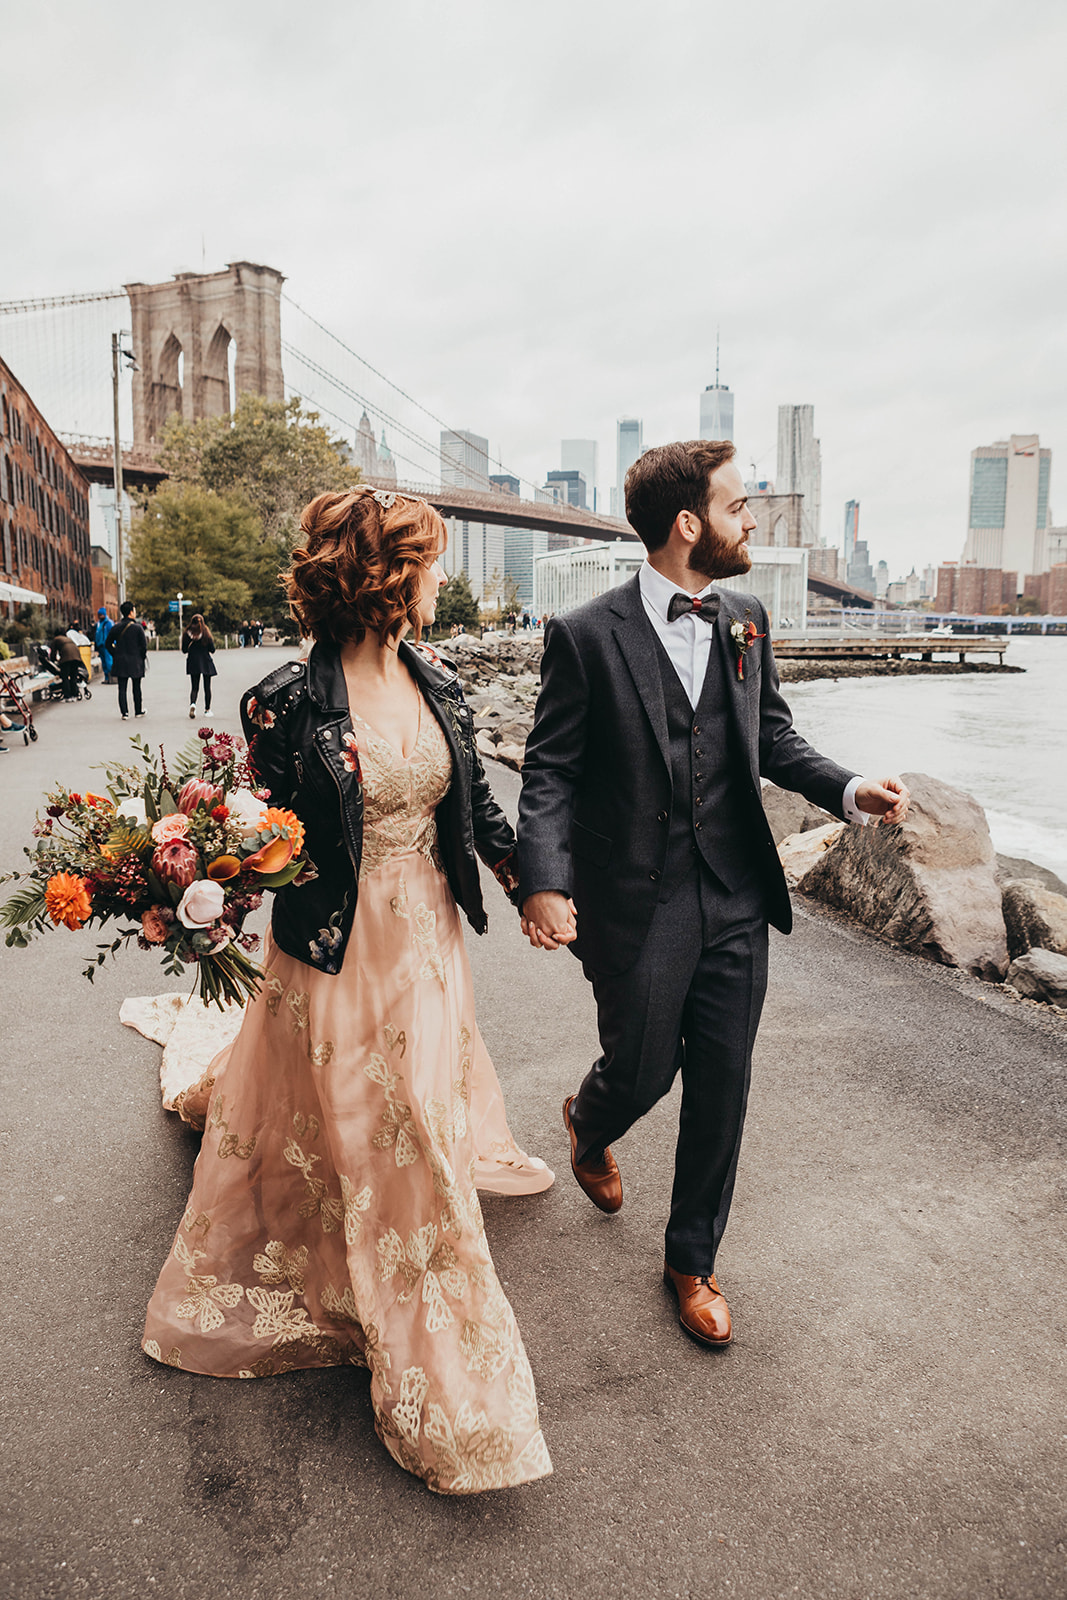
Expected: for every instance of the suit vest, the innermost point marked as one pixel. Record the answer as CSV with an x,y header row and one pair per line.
x,y
709,820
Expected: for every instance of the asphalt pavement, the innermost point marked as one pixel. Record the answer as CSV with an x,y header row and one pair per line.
x,y
889,1421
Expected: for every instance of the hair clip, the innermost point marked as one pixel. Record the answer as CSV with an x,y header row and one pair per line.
x,y
385,498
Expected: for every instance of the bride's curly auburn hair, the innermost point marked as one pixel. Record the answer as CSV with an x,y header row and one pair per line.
x,y
361,566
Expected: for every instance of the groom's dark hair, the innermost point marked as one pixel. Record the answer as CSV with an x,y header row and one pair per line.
x,y
668,479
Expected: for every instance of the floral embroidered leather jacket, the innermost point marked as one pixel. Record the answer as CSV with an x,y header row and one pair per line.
x,y
303,749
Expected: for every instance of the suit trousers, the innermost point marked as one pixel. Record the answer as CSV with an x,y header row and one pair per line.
x,y
691,1003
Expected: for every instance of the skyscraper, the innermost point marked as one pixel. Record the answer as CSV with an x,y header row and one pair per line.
x,y
580,455
800,464
464,459
852,527
1008,518
628,446
716,407
717,412
567,488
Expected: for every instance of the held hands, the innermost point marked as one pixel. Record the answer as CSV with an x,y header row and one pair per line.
x,y
548,920
886,801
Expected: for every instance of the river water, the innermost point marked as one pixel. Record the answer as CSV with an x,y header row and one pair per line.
x,y
1003,738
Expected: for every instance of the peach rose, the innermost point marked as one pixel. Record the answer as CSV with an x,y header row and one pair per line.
x,y
201,904
154,926
176,826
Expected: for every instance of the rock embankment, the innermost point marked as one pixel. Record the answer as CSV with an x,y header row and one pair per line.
x,y
501,677
934,886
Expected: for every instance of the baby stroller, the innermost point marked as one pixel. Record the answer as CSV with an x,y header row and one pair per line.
x,y
55,690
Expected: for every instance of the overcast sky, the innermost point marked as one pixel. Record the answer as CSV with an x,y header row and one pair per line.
x,y
534,217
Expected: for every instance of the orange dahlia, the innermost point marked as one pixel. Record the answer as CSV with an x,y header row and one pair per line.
x,y
277,816
67,899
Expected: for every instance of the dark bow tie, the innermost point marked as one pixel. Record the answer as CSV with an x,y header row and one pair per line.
x,y
686,605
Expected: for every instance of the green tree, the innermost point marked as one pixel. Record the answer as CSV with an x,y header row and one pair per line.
x,y
455,603
272,452
209,546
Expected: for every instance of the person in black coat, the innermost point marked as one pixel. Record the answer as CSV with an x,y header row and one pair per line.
x,y
643,843
129,650
198,648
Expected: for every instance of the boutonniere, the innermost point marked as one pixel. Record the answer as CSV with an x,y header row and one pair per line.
x,y
743,635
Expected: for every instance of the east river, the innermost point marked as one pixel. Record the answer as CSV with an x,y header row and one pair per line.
x,y
1002,737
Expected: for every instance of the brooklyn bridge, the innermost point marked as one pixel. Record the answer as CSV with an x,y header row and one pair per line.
x,y
195,343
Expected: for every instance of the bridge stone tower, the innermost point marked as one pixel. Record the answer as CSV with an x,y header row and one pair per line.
x,y
182,333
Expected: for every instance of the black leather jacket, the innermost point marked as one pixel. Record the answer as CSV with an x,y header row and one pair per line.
x,y
303,749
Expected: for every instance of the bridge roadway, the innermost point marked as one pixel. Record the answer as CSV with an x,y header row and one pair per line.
x,y
140,466
888,1424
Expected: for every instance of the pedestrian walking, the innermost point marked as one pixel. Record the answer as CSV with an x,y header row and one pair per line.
x,y
129,650
198,647
359,1064
644,846
100,633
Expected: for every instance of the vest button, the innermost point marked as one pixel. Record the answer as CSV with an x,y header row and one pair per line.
x,y
654,876
699,801
696,730
698,752
662,817
696,825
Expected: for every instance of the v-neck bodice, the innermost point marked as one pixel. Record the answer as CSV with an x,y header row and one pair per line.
x,y
401,796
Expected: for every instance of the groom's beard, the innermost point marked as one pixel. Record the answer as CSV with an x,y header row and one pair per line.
x,y
714,557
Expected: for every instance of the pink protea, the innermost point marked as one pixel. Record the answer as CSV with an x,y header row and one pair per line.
x,y
176,862
197,792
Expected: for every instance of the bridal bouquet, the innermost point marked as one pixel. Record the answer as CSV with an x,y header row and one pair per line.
x,y
182,851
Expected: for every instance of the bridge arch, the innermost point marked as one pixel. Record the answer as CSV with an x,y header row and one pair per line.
x,y
226,324
216,398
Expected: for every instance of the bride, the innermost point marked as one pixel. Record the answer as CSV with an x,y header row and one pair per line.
x,y
334,1216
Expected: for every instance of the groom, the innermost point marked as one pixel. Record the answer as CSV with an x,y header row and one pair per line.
x,y
643,842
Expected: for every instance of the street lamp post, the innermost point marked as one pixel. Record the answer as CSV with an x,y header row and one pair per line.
x,y
120,565
180,601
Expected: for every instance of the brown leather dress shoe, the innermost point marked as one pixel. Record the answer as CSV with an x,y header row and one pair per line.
x,y
702,1308
600,1179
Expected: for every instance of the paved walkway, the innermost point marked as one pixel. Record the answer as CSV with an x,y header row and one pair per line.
x,y
889,1421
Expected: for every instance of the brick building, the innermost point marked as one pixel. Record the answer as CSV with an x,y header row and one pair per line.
x,y
44,509
1049,589
105,584
975,591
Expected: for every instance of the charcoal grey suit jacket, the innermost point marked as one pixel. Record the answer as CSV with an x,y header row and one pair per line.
x,y
596,783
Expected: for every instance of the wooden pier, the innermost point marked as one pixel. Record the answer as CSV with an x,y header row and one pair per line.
x,y
900,647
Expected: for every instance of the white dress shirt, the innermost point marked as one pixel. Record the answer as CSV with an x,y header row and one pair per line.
x,y
687,642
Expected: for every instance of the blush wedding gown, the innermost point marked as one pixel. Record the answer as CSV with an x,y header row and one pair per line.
x,y
334,1216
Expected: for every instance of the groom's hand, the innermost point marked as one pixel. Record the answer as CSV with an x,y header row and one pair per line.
x,y
887,801
549,920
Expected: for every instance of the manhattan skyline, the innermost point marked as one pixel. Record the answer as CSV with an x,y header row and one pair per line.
x,y
869,239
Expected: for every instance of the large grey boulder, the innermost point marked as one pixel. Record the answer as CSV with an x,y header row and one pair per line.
x,y
1009,867
1040,975
1034,917
789,813
928,885
800,851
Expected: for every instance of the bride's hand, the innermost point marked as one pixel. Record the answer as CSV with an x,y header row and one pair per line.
x,y
549,920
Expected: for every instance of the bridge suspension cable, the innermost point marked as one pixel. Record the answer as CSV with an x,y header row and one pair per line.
x,y
447,426
10,308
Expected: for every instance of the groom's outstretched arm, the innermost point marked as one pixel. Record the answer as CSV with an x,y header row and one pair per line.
x,y
552,769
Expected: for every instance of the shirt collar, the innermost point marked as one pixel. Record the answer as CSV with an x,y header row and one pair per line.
x,y
658,591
